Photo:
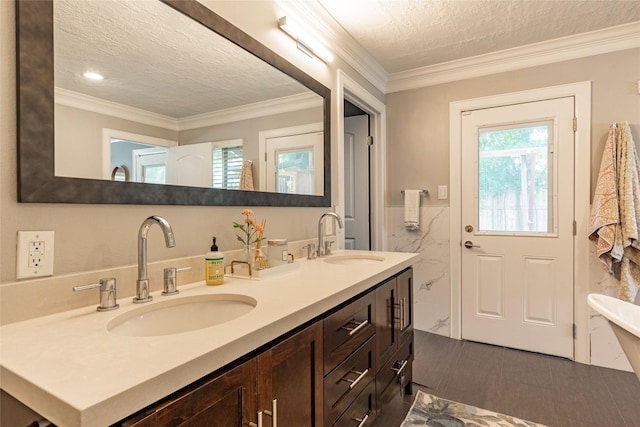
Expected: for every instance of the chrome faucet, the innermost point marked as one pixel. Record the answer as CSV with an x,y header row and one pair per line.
x,y
321,251
142,284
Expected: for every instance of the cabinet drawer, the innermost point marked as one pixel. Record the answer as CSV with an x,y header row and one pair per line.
x,y
362,411
387,384
344,384
346,329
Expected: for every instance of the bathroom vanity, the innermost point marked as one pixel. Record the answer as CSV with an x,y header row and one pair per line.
x,y
326,344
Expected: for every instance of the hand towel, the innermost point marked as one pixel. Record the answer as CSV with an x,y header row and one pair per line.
x,y
412,209
246,176
615,213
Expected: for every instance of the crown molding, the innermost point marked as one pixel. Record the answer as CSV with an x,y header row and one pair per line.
x,y
598,42
259,109
97,105
250,111
316,17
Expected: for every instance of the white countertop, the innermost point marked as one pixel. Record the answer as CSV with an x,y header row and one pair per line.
x,y
71,370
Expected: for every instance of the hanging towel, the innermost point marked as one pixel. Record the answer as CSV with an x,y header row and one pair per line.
x,y
615,213
412,209
246,176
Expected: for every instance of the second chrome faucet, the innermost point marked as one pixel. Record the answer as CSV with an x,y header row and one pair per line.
x,y
142,284
321,250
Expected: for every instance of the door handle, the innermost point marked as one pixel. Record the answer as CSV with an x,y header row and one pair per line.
x,y
469,244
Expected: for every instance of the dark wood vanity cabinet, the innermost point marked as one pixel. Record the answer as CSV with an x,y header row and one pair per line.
x,y
368,353
394,336
290,380
339,371
284,382
226,400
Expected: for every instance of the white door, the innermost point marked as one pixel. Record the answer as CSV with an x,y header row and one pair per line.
x,y
517,219
356,183
191,165
295,163
149,165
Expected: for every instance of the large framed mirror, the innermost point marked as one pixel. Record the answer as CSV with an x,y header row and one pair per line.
x,y
188,104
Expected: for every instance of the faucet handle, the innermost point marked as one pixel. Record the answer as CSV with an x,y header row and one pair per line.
x,y
311,250
171,280
107,293
327,247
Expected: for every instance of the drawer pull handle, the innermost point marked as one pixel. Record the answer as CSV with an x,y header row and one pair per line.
x,y
401,368
353,331
273,414
357,380
402,317
362,420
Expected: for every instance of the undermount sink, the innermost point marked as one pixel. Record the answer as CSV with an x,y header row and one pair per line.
x,y
181,314
353,259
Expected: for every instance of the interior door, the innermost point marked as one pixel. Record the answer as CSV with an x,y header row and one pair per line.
x,y
356,185
517,218
191,165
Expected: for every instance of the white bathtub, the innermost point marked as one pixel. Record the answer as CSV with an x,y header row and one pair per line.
x,y
624,319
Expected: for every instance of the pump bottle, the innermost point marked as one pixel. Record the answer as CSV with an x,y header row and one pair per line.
x,y
214,266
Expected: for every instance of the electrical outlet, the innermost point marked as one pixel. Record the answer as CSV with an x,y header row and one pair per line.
x,y
34,254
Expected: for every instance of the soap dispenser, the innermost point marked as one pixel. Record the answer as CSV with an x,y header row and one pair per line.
x,y
214,266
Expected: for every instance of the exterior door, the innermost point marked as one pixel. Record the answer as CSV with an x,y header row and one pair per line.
x,y
356,185
517,219
295,163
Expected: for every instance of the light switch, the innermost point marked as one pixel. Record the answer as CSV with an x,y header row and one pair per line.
x,y
442,192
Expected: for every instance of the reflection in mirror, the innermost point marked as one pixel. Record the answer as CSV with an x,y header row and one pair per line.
x,y
120,173
176,81
66,158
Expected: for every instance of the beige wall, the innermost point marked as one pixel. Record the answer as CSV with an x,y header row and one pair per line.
x,y
79,136
418,120
90,237
79,139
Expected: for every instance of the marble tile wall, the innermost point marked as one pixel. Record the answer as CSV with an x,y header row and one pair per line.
x,y
432,284
431,274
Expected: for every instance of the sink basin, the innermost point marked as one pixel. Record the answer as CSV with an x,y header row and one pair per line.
x,y
181,314
624,319
352,259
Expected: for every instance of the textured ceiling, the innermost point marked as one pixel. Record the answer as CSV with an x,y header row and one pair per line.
x,y
407,34
157,59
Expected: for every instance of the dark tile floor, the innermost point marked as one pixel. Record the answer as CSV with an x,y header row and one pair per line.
x,y
548,390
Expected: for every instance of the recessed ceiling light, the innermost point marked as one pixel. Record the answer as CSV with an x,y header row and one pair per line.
x,y
93,76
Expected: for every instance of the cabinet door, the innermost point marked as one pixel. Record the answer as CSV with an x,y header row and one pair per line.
x,y
224,401
290,381
405,304
386,331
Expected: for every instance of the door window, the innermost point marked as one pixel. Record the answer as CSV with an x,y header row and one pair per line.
x,y
515,178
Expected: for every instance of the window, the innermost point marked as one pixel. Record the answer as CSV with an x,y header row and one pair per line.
x,y
515,177
227,165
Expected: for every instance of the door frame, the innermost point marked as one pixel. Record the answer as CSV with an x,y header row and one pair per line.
x,y
581,91
363,99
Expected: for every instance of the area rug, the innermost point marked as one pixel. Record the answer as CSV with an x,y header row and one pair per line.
x,y
429,410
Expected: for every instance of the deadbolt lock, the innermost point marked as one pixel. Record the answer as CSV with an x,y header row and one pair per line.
x,y
468,228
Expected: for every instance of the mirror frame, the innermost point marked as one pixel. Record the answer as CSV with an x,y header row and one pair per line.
x,y
37,182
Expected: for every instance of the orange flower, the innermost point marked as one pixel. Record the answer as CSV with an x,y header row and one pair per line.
x,y
250,229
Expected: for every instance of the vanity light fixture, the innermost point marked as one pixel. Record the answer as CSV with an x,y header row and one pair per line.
x,y
93,76
306,43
